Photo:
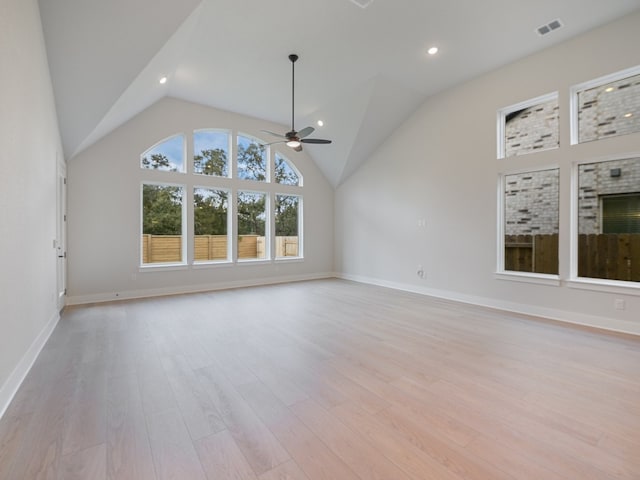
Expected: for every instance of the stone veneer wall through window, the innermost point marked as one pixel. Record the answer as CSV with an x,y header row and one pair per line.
x,y
532,129
531,201
609,110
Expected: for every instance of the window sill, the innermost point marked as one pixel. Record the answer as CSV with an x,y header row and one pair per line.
x,y
254,261
609,286
222,263
162,267
289,259
525,277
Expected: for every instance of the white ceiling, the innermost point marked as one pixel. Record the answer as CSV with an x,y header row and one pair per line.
x,y
361,70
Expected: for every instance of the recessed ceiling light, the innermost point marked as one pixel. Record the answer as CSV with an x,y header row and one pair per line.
x,y
163,80
320,123
432,50
608,89
628,115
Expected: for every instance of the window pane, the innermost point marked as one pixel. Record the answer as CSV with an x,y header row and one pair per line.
x,y
211,153
252,216
609,110
162,224
252,159
531,222
210,220
287,226
621,214
167,155
531,129
284,173
609,220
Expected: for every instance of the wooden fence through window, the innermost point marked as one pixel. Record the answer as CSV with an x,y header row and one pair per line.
x,y
607,256
614,256
531,253
168,248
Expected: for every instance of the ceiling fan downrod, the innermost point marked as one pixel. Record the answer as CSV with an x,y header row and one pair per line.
x,y
293,57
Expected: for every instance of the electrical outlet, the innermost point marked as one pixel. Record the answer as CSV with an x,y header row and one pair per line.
x,y
420,272
619,304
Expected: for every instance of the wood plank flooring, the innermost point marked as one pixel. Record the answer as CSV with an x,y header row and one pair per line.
x,y
323,380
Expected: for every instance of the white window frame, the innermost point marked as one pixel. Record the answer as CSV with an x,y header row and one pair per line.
x,y
504,112
185,251
501,273
574,104
188,180
589,283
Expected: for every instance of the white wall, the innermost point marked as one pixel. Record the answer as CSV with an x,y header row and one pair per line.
x,y
104,212
29,146
441,166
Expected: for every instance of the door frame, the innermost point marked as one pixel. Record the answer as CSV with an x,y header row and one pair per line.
x,y
61,233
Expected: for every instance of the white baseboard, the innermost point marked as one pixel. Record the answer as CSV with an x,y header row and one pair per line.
x,y
10,387
603,323
177,290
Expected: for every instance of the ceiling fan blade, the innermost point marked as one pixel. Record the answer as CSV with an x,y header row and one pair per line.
x,y
305,131
274,134
272,143
315,140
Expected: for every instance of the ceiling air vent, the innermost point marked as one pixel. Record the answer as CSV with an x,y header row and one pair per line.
x,y
362,3
549,27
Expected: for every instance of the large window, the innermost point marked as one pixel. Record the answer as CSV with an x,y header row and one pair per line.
x,y
608,212
530,221
252,221
210,225
254,194
606,107
162,224
287,219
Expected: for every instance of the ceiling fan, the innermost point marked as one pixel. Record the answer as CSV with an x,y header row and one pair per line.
x,y
293,138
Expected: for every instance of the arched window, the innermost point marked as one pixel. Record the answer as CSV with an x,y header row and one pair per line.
x,y
285,173
167,155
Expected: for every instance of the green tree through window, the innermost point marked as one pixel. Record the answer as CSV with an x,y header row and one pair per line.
x,y
251,213
167,155
211,153
252,160
284,173
210,211
286,215
162,210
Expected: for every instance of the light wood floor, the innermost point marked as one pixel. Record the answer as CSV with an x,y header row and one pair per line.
x,y
322,380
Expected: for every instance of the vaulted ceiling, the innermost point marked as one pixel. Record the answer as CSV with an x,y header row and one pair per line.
x,y
363,71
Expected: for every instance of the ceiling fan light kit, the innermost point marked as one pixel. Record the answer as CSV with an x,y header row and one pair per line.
x,y
292,138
